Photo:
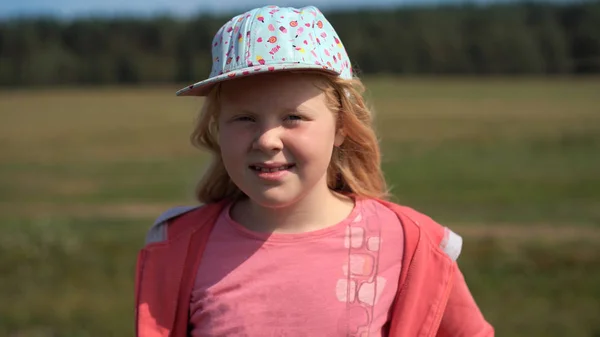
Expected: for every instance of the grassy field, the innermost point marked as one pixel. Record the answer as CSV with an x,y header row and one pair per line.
x,y
512,165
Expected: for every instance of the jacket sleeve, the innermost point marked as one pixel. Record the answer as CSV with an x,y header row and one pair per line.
x,y
463,317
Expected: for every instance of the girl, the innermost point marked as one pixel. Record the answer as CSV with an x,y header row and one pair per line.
x,y
295,237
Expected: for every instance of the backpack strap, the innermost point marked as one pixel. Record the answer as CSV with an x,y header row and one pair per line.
x,y
158,232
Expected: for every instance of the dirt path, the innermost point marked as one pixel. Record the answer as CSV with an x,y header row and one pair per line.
x,y
530,232
524,231
85,210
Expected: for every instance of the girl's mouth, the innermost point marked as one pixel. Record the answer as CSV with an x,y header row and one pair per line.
x,y
271,168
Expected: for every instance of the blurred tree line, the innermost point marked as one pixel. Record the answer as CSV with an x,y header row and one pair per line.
x,y
522,38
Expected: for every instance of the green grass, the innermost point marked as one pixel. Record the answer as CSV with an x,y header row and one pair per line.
x,y
512,164
68,277
535,289
495,150
503,180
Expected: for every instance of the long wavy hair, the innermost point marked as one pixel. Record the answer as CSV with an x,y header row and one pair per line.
x,y
355,166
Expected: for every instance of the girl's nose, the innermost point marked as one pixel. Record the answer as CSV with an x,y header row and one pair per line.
x,y
268,140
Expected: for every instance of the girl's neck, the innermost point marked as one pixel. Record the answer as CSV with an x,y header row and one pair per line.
x,y
313,212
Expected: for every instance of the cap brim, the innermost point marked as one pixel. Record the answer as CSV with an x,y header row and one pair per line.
x,y
202,88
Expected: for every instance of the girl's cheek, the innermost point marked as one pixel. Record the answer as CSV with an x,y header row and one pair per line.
x,y
229,129
235,136
309,134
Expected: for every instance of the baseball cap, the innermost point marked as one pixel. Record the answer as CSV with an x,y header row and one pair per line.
x,y
271,39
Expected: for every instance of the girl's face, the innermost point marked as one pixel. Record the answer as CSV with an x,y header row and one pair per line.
x,y
276,136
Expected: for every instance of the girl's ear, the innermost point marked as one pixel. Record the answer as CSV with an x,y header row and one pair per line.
x,y
340,133
340,136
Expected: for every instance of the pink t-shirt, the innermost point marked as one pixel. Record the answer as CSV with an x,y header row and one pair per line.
x,y
337,281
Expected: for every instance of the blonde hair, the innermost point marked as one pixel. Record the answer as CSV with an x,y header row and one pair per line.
x,y
355,166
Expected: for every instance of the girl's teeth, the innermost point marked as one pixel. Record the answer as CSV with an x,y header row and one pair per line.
x,y
265,169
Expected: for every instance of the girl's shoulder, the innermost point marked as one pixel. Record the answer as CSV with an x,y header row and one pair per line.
x,y
165,224
381,205
159,229
439,235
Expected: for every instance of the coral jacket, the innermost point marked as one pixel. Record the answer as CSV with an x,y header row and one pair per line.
x,y
432,298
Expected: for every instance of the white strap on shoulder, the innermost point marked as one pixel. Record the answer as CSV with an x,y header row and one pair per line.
x,y
158,231
451,244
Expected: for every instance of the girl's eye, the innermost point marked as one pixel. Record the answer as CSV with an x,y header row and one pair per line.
x,y
244,119
294,118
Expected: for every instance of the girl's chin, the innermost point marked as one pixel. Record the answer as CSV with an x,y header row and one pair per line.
x,y
275,197
272,201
